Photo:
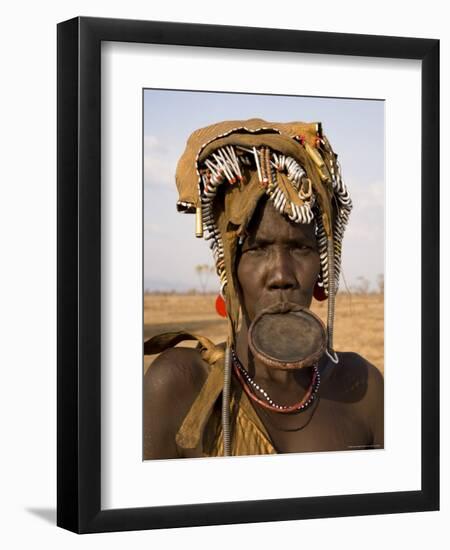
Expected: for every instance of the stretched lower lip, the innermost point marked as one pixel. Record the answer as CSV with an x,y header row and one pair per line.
x,y
286,335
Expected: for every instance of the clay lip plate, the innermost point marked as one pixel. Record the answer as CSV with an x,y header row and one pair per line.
x,y
287,336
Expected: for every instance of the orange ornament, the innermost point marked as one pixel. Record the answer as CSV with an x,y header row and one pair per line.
x,y
221,308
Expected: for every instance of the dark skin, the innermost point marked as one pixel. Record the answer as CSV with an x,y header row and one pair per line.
x,y
278,261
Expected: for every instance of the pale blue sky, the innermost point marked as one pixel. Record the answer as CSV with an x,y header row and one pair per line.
x,y
355,129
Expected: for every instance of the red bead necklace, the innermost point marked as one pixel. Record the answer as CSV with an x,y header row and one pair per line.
x,y
247,382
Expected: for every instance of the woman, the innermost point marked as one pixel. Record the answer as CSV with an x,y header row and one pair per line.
x,y
271,199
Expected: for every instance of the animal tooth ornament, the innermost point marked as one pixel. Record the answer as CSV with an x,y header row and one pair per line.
x,y
224,171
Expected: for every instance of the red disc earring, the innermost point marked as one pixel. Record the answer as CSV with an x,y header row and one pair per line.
x,y
319,293
221,308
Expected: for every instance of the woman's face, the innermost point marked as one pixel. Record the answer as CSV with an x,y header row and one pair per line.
x,y
278,262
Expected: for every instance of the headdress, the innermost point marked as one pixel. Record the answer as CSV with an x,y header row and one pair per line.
x,y
224,171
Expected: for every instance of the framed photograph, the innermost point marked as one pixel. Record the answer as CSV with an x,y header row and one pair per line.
x,y
248,275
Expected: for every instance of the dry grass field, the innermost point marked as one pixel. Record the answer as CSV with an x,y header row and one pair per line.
x,y
359,323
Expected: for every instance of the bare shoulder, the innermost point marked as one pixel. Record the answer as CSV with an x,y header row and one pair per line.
x,y
356,375
176,369
171,385
366,386
357,365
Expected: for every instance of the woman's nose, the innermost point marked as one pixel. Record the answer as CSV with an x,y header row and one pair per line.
x,y
281,271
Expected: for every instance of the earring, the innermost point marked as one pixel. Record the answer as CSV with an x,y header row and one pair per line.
x,y
221,308
319,292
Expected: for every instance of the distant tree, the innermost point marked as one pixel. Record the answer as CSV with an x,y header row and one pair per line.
x,y
380,283
203,272
362,286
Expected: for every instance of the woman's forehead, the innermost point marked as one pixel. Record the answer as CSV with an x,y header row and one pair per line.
x,y
267,223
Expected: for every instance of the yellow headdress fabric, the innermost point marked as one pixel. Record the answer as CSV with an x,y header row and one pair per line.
x,y
227,167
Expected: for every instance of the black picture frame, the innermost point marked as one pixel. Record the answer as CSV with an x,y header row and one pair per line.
x,y
79,276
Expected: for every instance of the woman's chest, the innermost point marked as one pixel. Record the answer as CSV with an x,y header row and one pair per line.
x,y
325,426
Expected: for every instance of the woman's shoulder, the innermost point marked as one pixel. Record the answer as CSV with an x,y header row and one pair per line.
x,y
354,373
178,369
171,385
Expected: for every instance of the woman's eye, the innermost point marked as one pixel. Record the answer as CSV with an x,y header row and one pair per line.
x,y
302,248
256,250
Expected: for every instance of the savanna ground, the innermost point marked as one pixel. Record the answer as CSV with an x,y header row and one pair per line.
x,y
359,321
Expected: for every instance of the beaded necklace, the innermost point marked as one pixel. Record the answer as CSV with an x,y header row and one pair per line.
x,y
247,382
